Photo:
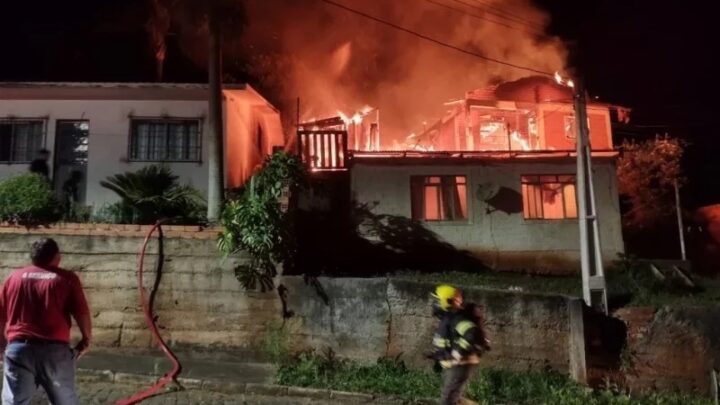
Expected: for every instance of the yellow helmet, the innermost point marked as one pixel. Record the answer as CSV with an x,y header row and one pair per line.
x,y
444,293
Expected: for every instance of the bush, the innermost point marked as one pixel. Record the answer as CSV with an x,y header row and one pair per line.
x,y
28,199
153,193
255,222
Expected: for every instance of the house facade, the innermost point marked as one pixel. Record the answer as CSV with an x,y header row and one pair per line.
x,y
102,129
496,177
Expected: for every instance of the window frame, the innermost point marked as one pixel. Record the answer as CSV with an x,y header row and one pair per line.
x,y
165,120
20,120
539,183
468,213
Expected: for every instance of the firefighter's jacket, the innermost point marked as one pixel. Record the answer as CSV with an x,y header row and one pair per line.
x,y
458,340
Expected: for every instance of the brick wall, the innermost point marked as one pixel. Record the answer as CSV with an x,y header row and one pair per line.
x,y
671,348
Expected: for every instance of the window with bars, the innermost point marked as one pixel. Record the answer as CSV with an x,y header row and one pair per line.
x,y
20,140
165,140
549,197
439,198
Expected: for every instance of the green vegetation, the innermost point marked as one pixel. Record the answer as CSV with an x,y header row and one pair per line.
x,y
28,199
255,222
390,377
151,194
630,282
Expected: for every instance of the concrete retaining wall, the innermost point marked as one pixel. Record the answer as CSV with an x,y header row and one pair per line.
x,y
202,307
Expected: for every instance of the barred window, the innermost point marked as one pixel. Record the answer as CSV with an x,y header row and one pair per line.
x,y
549,197
439,198
20,140
165,140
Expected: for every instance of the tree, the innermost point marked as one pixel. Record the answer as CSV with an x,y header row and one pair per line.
x,y
648,172
209,19
158,27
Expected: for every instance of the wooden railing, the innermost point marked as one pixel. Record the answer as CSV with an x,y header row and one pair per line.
x,y
323,150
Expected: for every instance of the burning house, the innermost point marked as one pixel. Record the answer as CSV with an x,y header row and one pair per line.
x,y
495,176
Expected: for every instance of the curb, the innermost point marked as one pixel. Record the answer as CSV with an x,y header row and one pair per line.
x,y
227,387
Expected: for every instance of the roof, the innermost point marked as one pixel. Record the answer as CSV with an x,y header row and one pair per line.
x,y
532,89
109,91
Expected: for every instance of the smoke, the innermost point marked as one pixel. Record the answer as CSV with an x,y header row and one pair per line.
x,y
336,60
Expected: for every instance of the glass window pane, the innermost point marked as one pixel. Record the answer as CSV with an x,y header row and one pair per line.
x,y
462,195
570,201
552,201
432,199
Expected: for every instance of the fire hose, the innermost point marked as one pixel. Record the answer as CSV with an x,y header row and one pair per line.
x,y
150,320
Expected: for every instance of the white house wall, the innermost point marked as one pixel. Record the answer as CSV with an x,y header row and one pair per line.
x,y
109,128
500,239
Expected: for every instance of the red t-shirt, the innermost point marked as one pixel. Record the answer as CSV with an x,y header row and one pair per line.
x,y
36,303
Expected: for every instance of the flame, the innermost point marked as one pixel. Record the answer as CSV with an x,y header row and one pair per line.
x,y
523,142
347,120
356,118
560,80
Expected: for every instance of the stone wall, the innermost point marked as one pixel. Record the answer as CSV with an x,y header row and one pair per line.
x,y
202,307
671,348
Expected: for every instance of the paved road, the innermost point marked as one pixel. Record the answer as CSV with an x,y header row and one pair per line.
x,y
107,393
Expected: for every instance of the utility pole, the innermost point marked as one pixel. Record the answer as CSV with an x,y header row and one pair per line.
x,y
216,154
593,275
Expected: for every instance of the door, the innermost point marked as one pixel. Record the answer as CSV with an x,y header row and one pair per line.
x,y
71,159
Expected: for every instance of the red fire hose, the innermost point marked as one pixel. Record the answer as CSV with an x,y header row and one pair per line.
x,y
150,319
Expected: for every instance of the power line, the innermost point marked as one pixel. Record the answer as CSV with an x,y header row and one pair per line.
x,y
437,3
435,41
507,14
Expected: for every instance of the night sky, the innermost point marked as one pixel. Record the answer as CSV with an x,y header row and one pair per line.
x,y
653,56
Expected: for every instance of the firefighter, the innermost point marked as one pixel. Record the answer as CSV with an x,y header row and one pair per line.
x,y
446,305
459,341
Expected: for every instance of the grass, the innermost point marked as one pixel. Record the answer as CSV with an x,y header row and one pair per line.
x,y
629,282
390,377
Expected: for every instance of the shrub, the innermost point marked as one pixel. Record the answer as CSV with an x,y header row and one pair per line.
x,y
255,223
153,193
28,199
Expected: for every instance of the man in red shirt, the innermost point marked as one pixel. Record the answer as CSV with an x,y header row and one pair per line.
x,y
36,303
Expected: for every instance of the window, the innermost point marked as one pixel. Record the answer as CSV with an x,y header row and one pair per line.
x,y
569,126
494,133
165,140
439,198
549,197
20,140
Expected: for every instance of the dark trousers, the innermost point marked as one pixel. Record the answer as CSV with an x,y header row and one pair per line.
x,y
454,382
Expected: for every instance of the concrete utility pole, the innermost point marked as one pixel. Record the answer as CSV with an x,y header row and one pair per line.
x,y
593,275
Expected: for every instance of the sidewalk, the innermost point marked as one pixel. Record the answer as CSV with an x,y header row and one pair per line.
x,y
104,377
192,367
